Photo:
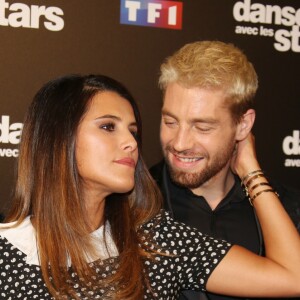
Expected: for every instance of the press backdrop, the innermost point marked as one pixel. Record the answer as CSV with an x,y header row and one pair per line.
x,y
128,40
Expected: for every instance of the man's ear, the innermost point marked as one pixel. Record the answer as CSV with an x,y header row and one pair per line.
x,y
245,125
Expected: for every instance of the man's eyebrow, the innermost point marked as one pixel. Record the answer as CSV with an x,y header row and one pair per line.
x,y
165,112
208,120
204,120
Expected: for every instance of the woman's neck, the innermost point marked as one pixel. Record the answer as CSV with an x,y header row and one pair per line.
x,y
95,210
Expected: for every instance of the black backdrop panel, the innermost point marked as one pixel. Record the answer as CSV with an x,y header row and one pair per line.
x,y
41,40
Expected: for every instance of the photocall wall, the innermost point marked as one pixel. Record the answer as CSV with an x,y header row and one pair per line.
x,y
128,40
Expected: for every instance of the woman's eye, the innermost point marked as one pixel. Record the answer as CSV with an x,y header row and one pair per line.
x,y
134,134
108,127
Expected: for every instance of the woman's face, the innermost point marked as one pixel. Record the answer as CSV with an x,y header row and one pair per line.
x,y
106,149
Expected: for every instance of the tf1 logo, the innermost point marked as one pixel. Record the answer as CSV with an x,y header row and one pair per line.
x,y
153,13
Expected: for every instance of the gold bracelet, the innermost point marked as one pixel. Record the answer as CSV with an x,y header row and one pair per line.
x,y
250,174
248,183
251,199
257,185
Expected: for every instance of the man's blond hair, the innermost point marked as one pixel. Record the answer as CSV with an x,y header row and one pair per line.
x,y
213,65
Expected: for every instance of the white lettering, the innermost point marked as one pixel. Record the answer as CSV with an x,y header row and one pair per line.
x,y
270,12
172,18
288,16
241,11
283,42
291,144
22,15
292,162
295,33
3,7
9,152
246,30
36,13
286,40
298,17
244,11
133,7
258,14
266,31
153,14
10,133
56,23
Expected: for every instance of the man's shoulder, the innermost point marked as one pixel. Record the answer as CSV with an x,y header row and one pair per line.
x,y
156,171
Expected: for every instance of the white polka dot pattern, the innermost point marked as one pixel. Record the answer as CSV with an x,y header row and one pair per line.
x,y
192,258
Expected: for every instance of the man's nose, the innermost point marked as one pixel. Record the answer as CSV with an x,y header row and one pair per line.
x,y
182,140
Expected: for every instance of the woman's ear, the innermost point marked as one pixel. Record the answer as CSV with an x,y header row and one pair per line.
x,y
245,125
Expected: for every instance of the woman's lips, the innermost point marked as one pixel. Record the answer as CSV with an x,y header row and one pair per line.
x,y
127,161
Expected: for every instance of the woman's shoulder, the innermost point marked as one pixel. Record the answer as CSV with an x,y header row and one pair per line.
x,y
13,228
163,220
164,227
194,254
168,232
21,237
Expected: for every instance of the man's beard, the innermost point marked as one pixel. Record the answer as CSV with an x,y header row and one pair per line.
x,y
195,180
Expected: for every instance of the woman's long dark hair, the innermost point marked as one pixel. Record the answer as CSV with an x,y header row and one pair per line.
x,y
48,187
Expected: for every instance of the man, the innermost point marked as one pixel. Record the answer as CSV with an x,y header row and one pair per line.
x,y
209,88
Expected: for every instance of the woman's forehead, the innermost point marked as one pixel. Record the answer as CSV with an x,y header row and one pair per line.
x,y
110,103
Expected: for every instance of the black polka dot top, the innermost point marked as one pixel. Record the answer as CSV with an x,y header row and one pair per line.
x,y
191,258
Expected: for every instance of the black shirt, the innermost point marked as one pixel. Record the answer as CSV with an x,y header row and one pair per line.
x,y
233,219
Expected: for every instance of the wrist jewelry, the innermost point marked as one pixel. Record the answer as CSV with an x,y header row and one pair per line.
x,y
251,173
251,199
257,185
249,187
252,178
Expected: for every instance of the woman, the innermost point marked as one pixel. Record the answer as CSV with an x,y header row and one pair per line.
x,y
86,220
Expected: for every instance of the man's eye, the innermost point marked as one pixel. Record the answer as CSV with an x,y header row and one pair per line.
x,y
108,127
169,122
204,129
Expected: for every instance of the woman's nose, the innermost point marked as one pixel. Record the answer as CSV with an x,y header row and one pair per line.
x,y
129,143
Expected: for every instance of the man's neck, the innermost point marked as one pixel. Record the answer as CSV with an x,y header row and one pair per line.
x,y
215,190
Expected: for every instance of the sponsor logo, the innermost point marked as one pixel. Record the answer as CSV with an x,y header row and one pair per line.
x,y
22,15
280,23
153,13
9,134
291,146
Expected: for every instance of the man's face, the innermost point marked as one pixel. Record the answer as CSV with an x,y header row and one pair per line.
x,y
197,134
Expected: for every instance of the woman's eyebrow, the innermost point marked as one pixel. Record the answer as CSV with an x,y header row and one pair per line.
x,y
115,118
109,117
